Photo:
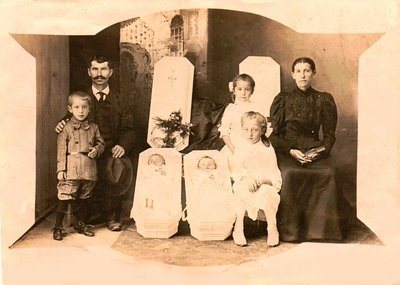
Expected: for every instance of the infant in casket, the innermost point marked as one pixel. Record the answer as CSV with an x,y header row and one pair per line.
x,y
158,187
208,188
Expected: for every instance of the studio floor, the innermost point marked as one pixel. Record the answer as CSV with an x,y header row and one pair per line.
x,y
116,257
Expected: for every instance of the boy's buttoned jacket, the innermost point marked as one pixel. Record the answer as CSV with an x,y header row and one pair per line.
x,y
73,145
121,121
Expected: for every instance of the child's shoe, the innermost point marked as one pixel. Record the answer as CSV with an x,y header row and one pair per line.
x,y
273,236
239,238
58,233
84,229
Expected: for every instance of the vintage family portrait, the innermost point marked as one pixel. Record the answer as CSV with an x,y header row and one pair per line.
x,y
247,142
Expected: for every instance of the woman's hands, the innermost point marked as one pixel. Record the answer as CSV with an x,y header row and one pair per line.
x,y
300,157
313,155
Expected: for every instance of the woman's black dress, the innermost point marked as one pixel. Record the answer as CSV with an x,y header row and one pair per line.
x,y
309,195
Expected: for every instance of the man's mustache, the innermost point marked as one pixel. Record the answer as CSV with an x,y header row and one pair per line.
x,y
99,77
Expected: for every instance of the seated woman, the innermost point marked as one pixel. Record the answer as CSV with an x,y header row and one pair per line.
x,y
309,196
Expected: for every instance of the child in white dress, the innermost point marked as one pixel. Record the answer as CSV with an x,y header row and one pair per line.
x,y
230,129
257,179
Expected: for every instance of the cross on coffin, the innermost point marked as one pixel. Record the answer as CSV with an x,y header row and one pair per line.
x,y
171,92
172,77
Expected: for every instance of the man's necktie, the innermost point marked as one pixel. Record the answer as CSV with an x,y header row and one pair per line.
x,y
102,96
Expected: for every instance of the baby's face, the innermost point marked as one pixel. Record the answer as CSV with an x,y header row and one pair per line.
x,y
207,163
156,160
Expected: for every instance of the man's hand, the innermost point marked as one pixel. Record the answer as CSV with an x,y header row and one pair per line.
x,y
93,152
60,126
299,156
117,151
61,175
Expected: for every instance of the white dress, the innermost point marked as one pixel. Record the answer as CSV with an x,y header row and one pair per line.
x,y
258,161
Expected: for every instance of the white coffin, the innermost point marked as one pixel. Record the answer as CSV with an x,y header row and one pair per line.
x,y
266,74
209,200
157,206
153,227
171,92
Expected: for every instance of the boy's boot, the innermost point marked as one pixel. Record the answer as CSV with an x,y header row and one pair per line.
x,y
58,230
84,229
81,227
58,233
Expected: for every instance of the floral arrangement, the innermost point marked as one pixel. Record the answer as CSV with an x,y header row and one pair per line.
x,y
173,128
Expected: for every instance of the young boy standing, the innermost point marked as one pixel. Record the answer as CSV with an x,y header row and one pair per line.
x,y
257,179
78,145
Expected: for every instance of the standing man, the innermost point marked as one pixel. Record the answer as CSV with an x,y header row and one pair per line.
x,y
115,120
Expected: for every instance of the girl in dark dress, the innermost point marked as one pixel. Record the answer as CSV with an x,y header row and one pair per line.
x,y
309,195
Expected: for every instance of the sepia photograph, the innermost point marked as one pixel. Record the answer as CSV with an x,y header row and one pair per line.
x,y
190,142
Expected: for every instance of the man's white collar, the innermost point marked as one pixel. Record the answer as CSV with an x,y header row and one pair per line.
x,y
105,90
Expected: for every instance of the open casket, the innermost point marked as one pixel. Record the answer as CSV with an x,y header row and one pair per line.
x,y
209,197
157,206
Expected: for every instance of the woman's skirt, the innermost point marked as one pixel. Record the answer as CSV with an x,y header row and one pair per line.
x,y
309,208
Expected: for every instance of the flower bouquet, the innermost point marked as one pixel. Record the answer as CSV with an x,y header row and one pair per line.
x,y
173,131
